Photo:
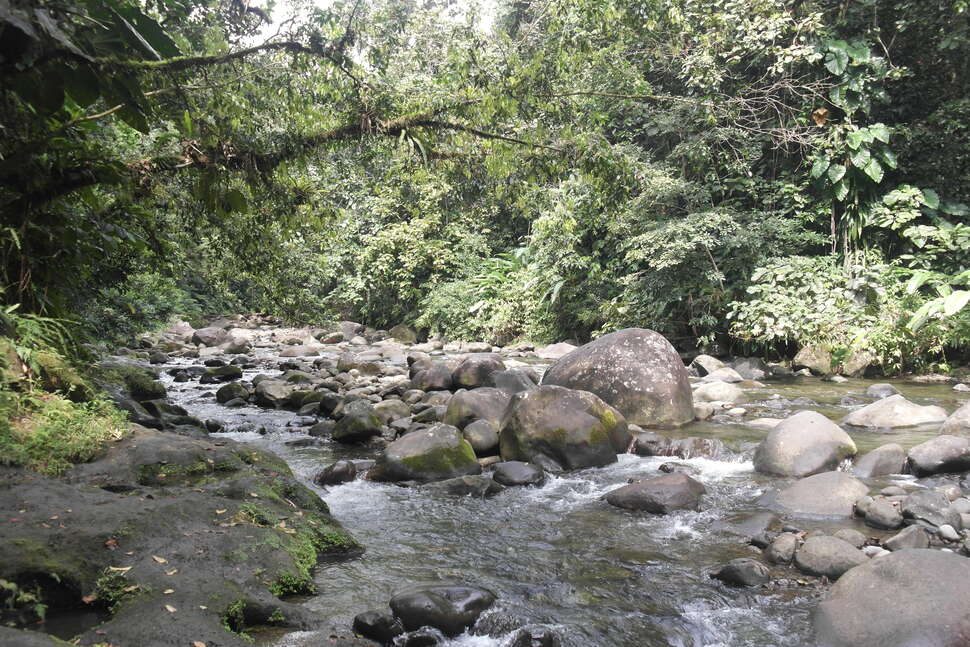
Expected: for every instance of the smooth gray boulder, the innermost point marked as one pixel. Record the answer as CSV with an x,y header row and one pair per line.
x,y
958,423
940,455
359,422
908,537
211,336
436,377
743,571
782,549
515,473
750,368
723,374
273,393
803,444
433,454
883,460
884,514
513,380
482,435
659,495
704,364
881,390
828,557
475,369
894,412
718,392
555,351
467,406
909,598
636,371
559,427
829,494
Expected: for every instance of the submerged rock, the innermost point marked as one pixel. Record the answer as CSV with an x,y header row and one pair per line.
x,y
636,371
829,494
659,495
893,412
743,571
513,473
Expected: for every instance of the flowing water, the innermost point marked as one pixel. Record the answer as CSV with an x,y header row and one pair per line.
x,y
557,555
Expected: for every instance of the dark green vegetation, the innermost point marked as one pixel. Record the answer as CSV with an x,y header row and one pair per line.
x,y
762,174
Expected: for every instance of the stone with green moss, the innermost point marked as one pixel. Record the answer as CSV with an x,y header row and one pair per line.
x,y
435,454
562,428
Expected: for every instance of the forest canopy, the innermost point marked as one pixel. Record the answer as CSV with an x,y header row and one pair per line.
x,y
755,175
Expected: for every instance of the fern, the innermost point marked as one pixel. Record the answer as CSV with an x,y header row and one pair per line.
x,y
34,334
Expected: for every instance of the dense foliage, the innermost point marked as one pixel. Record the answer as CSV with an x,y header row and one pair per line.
x,y
751,174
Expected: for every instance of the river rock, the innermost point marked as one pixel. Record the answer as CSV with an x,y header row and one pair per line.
x,y
482,435
403,334
636,371
723,374
555,426
659,495
851,536
473,485
210,336
718,391
389,410
337,473
828,557
782,548
273,393
931,508
829,494
925,603
880,391
221,374
884,514
358,423
450,608
486,403
958,424
814,357
893,412
803,444
475,369
750,368
883,460
704,364
435,378
555,351
232,391
513,473
513,380
378,625
300,350
743,571
940,455
434,454
908,537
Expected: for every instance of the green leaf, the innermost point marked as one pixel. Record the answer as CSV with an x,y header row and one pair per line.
x,y
48,25
836,173
841,191
859,52
837,59
956,302
874,170
855,139
917,281
922,314
887,157
82,84
861,158
819,167
931,199
880,132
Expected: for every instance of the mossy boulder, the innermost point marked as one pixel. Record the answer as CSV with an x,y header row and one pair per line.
x,y
359,422
486,403
223,544
221,374
121,378
434,454
232,391
561,428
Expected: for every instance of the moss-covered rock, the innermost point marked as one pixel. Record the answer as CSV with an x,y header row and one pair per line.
x,y
430,455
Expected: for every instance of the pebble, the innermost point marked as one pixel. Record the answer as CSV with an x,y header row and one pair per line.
x,y
947,532
737,411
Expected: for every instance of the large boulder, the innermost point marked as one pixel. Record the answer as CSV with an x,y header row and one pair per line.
x,y
659,495
273,393
475,369
448,608
403,334
486,403
359,422
513,380
433,454
704,364
817,359
555,351
803,444
636,371
829,494
210,336
910,598
958,424
940,455
883,460
436,377
561,428
826,556
893,412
